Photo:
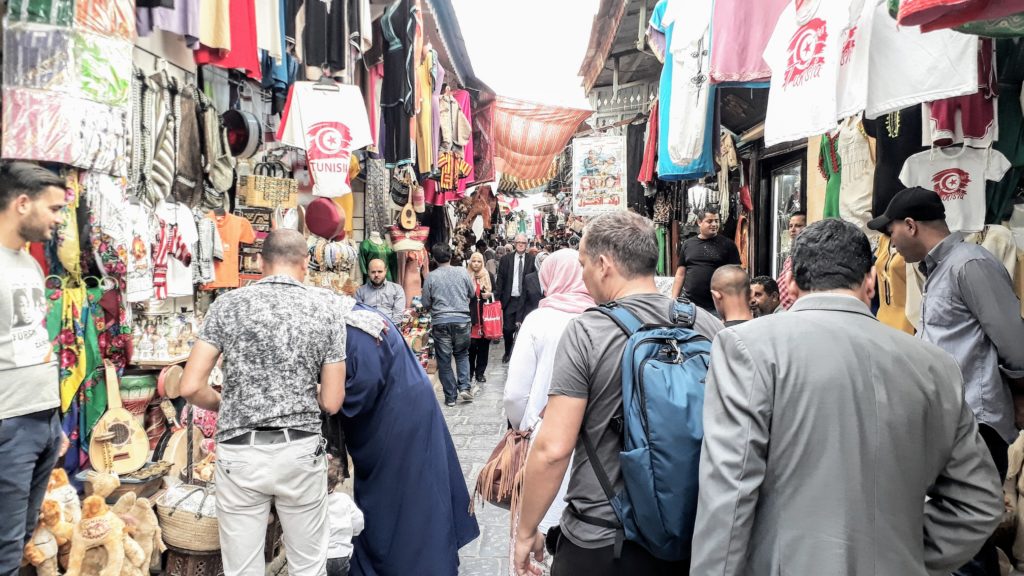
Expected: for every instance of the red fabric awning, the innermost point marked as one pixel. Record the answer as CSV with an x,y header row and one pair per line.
x,y
528,136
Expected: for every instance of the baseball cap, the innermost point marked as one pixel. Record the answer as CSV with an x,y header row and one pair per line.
x,y
917,203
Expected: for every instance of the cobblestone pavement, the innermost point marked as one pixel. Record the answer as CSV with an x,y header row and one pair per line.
x,y
476,428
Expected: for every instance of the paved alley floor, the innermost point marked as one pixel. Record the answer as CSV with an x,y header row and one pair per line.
x,y
476,428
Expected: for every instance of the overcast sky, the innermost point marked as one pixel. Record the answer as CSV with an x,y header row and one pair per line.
x,y
529,49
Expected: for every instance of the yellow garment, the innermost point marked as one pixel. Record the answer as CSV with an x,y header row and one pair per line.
x,y
346,204
1018,280
891,269
215,24
425,116
68,251
72,375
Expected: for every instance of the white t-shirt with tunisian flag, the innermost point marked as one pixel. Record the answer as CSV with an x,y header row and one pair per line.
x,y
803,54
959,178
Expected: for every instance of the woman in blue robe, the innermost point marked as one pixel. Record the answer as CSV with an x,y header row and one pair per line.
x,y
408,481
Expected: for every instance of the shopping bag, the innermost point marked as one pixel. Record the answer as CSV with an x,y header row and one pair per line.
x,y
492,320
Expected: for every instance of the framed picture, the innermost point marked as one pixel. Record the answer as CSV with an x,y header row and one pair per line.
x,y
598,175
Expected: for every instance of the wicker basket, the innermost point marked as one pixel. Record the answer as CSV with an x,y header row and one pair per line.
x,y
188,530
268,187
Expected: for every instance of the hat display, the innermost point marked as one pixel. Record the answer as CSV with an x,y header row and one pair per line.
x,y
917,203
325,219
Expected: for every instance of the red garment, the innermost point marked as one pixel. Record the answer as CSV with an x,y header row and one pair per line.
x,y
462,97
975,10
977,111
168,245
244,55
38,251
651,148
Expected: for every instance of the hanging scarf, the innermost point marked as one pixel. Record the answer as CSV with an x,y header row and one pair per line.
x,y
561,278
370,322
482,277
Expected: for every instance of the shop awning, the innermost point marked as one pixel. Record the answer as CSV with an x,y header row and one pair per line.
x,y
602,38
529,136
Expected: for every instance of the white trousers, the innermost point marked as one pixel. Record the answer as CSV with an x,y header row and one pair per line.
x,y
292,476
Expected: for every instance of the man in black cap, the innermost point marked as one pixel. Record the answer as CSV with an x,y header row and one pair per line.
x,y
970,311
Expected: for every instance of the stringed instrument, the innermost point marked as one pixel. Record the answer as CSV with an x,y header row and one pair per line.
x,y
119,443
407,219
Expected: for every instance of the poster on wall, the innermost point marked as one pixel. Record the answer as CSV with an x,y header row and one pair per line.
x,y
598,175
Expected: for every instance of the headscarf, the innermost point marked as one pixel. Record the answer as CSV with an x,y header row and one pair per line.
x,y
561,278
541,258
482,276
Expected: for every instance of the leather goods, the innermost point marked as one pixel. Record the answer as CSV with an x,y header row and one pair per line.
x,y
119,443
401,186
502,475
269,186
169,382
261,437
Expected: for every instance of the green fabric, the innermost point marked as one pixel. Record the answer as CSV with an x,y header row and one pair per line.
x,y
1011,26
894,8
370,250
660,232
830,156
1010,63
95,390
55,12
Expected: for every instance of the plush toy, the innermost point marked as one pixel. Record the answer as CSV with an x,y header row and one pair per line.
x,y
61,490
145,528
100,528
104,483
51,533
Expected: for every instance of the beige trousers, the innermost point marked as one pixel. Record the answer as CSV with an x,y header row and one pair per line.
x,y
292,476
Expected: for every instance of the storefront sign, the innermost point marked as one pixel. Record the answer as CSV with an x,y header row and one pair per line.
x,y
598,175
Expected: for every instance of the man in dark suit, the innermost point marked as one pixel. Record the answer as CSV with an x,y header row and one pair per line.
x,y
511,290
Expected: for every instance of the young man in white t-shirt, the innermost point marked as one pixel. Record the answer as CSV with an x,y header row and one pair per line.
x,y
31,207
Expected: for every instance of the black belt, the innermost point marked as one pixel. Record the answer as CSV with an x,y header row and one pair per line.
x,y
258,437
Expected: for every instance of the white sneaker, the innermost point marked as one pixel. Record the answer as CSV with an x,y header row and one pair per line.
x,y
474,390
466,396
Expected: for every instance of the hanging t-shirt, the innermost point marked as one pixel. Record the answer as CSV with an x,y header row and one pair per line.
x,y
233,230
215,24
907,67
803,54
269,35
959,178
690,51
28,371
179,274
140,263
741,31
852,97
328,125
243,53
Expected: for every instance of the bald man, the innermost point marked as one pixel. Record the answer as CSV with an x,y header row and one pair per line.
x,y
379,293
730,292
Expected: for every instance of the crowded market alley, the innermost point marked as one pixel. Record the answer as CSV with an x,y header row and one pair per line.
x,y
512,287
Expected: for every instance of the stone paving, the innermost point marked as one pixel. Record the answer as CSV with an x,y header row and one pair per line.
x,y
476,428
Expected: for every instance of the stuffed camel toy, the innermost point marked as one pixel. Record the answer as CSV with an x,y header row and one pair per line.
x,y
100,528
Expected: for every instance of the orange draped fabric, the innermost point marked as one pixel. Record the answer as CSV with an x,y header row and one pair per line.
x,y
528,136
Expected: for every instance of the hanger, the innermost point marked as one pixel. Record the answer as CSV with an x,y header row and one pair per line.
x,y
325,82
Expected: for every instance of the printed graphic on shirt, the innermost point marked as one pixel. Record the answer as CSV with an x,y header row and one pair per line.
x,y
848,46
806,53
951,184
28,314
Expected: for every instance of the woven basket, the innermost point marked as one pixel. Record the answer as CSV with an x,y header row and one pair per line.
x,y
268,187
188,530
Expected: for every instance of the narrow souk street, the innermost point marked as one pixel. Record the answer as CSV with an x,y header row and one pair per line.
x,y
476,427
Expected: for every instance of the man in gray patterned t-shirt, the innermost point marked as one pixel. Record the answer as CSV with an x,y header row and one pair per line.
x,y
283,345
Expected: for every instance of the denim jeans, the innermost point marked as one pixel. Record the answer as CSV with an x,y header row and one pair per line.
x,y
449,340
28,450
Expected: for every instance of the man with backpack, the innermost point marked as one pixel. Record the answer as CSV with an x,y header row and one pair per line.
x,y
834,444
585,414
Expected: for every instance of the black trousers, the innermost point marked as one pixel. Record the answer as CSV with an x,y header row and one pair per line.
x,y
511,317
572,560
986,561
478,350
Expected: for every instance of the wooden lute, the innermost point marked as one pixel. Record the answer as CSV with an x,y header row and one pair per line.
x,y
407,219
119,443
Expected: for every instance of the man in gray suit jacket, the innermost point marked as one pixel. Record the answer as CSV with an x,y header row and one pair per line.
x,y
836,445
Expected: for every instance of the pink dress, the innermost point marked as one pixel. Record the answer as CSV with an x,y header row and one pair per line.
x,y
740,33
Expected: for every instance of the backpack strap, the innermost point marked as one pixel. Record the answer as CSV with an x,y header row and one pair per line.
x,y
623,318
684,312
606,485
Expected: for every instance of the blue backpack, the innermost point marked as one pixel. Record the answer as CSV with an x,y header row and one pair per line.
x,y
663,372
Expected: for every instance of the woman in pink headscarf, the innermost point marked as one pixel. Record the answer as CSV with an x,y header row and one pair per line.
x,y
533,358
